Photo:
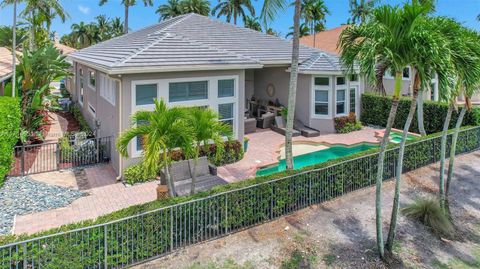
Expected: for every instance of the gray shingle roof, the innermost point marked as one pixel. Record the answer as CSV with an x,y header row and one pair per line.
x,y
321,61
193,40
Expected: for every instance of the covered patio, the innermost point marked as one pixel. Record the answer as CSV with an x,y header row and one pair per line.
x,y
265,145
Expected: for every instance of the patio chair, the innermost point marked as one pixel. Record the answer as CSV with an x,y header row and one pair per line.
x,y
305,130
181,173
250,125
279,127
266,120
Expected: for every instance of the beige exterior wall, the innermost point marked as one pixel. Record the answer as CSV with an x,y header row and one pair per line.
x,y
127,105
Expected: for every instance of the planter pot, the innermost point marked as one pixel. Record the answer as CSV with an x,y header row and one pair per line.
x,y
245,146
162,192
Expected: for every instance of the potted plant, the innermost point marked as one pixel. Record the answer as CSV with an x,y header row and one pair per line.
x,y
245,143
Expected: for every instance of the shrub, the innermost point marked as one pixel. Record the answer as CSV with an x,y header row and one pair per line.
x,y
375,110
347,124
233,152
136,174
10,128
428,212
82,122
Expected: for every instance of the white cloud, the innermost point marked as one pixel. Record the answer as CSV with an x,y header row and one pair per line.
x,y
85,10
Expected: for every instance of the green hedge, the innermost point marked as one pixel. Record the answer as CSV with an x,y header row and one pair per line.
x,y
375,110
82,122
10,120
182,221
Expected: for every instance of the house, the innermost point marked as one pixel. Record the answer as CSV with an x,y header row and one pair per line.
x,y
328,41
5,67
194,60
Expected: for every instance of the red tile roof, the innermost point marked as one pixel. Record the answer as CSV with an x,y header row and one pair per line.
x,y
326,40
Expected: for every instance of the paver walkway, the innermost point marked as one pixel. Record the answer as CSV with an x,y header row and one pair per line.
x,y
264,149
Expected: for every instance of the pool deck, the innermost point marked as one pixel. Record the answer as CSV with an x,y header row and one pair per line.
x,y
264,149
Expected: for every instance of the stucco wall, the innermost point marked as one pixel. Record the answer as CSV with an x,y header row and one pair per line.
x,y
127,96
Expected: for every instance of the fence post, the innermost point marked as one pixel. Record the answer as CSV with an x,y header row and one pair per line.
x,y
105,246
226,214
57,154
22,161
97,140
171,228
25,256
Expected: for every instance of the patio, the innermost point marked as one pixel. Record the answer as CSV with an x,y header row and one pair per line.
x,y
264,149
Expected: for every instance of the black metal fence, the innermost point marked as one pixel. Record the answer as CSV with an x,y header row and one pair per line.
x,y
53,156
141,237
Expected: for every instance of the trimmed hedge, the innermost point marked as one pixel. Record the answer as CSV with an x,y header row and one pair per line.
x,y
10,121
375,110
182,221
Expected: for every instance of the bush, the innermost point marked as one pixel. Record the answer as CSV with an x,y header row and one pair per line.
x,y
82,122
136,174
375,110
347,124
233,152
428,212
10,121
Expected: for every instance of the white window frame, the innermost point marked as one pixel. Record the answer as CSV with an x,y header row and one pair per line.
x,y
212,102
92,87
108,91
343,87
389,76
329,90
81,87
92,109
356,88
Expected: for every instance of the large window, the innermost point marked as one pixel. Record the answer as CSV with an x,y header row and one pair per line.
x,y
80,99
92,79
187,91
321,102
145,94
108,89
226,88
225,113
341,102
353,99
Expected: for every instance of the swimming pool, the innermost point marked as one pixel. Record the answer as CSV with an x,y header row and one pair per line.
x,y
396,137
312,158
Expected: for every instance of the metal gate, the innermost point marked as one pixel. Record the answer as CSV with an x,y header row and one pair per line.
x,y
53,156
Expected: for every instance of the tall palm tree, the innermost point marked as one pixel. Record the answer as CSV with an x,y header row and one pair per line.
x,y
206,129
361,9
304,31
314,13
127,4
161,131
385,39
104,27
7,37
169,10
253,23
116,26
233,8
270,10
80,33
201,7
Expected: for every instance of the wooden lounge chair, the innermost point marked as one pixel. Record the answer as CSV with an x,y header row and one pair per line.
x,y
181,173
305,130
279,127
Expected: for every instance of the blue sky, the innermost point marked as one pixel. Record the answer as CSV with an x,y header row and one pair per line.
x,y
464,11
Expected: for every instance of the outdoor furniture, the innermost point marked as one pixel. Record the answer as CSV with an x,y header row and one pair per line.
x,y
250,125
279,127
181,174
305,130
266,120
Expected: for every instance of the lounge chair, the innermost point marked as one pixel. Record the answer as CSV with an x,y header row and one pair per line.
x,y
279,127
305,130
181,173
266,120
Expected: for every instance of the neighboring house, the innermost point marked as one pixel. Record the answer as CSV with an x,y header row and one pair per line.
x,y
194,60
328,41
5,68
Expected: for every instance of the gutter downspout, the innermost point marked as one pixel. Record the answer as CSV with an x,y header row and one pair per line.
x,y
120,158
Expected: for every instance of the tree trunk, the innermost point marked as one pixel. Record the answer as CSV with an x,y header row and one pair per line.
x,y
314,34
194,173
14,47
380,70
292,91
125,25
380,164
234,17
398,174
453,149
170,184
443,150
420,118
31,42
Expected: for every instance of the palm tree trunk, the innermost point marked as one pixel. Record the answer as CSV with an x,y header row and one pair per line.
x,y
125,25
398,174
170,185
380,70
314,33
194,173
31,42
380,164
453,149
420,118
234,17
443,150
14,48
292,91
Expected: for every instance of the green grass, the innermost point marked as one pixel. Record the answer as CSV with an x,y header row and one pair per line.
x,y
329,259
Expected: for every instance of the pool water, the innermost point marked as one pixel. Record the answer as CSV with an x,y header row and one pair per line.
x,y
396,137
316,157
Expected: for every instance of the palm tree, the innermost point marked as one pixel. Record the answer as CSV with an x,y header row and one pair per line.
x,y
361,9
304,31
169,10
161,131
314,13
116,27
104,27
385,39
205,129
7,36
80,34
253,23
233,8
127,4
269,12
201,7
271,31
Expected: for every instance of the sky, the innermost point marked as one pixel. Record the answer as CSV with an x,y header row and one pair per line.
x,y
464,11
